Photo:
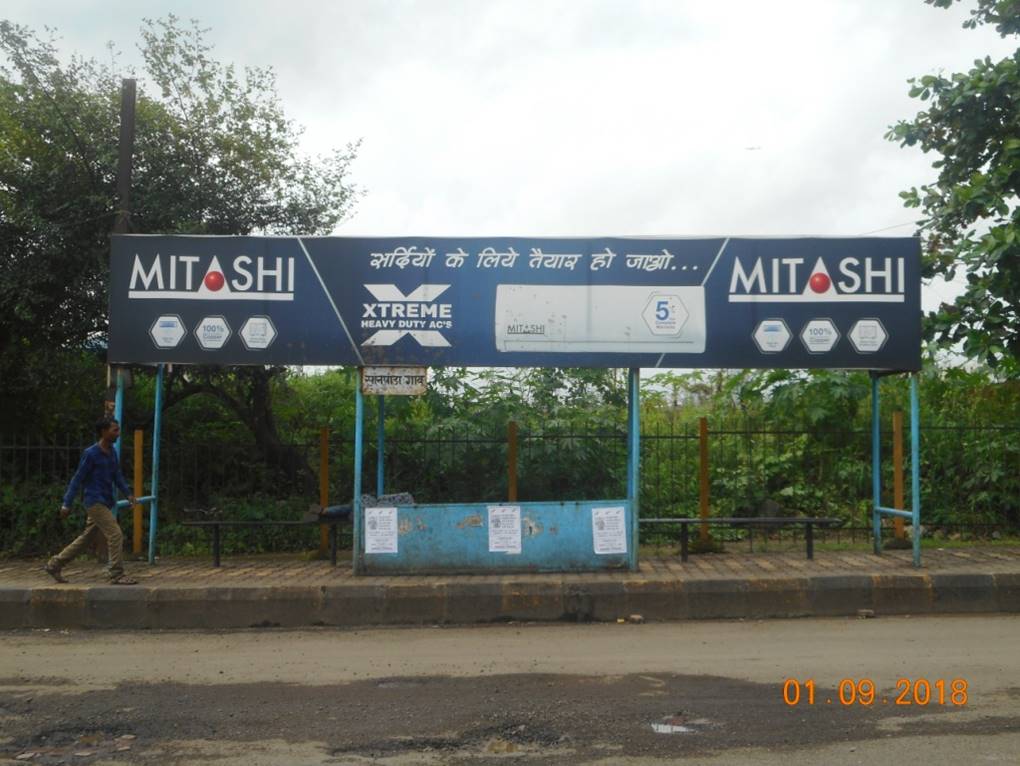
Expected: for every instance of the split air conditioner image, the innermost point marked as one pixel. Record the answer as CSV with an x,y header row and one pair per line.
x,y
600,318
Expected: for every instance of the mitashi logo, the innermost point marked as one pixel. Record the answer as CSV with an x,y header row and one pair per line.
x,y
787,280
193,277
395,315
525,328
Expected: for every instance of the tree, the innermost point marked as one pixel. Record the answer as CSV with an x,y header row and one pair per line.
x,y
214,154
971,213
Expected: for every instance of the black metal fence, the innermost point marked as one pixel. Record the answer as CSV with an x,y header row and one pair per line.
x,y
970,475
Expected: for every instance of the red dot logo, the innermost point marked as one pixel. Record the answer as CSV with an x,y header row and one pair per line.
x,y
819,282
214,280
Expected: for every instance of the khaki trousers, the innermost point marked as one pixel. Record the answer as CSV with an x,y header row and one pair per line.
x,y
100,522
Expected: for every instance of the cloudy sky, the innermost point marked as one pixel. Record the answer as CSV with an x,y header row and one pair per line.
x,y
673,117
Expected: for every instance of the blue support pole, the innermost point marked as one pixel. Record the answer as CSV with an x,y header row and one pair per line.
x,y
380,464
915,467
359,428
157,424
634,458
876,465
118,407
118,415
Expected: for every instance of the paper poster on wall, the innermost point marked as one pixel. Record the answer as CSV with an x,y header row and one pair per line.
x,y
380,530
504,529
609,530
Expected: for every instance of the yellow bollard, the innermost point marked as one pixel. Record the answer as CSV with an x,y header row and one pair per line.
x,y
323,486
136,541
898,494
703,471
511,461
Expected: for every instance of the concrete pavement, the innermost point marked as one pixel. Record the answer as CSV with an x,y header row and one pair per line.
x,y
290,592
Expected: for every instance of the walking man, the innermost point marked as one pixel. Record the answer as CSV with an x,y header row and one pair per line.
x,y
97,473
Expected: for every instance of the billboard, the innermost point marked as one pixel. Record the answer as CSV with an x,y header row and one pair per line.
x,y
517,302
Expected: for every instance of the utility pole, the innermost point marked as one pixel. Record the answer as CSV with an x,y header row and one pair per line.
x,y
122,222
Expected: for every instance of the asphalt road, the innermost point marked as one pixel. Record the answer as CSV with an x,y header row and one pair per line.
x,y
696,693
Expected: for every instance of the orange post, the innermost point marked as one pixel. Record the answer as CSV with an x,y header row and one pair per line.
x,y
136,538
897,456
511,461
323,486
703,471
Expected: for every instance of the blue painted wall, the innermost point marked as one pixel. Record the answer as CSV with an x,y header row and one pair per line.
x,y
454,538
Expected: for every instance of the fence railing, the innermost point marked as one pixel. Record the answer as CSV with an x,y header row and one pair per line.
x,y
970,474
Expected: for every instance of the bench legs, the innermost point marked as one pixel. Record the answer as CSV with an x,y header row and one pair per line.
x,y
809,540
216,544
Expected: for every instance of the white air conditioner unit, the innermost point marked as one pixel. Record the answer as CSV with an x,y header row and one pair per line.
x,y
600,318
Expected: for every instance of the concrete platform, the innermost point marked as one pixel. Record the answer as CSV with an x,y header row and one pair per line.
x,y
288,592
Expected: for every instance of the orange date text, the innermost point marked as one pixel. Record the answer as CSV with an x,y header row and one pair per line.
x,y
863,691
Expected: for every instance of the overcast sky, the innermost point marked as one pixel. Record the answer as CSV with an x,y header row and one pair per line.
x,y
589,118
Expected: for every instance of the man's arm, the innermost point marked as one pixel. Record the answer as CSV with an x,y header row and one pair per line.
x,y
84,468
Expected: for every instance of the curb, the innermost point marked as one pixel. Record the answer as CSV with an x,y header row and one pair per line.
x,y
463,602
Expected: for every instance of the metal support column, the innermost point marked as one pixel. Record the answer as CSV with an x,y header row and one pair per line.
x,y
915,467
359,430
118,407
878,510
876,465
380,450
634,457
157,424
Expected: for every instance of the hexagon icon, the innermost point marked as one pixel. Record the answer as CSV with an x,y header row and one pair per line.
x,y
257,333
212,333
772,336
867,336
665,314
819,336
167,331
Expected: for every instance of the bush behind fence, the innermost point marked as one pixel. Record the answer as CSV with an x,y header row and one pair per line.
x,y
970,475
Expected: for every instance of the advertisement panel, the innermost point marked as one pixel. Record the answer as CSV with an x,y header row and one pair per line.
x,y
517,302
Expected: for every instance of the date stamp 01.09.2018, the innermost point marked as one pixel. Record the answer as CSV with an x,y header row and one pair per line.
x,y
863,691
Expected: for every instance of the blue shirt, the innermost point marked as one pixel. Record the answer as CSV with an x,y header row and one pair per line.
x,y
97,472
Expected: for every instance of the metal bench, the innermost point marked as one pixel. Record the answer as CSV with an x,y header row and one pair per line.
x,y
332,521
809,524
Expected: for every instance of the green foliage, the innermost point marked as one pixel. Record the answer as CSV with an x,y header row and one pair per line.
x,y
31,526
214,154
29,522
796,442
970,216
1004,14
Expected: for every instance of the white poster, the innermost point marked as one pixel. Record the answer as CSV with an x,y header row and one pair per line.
x,y
602,318
380,530
609,530
504,529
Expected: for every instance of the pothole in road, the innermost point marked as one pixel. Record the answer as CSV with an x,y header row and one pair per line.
x,y
512,738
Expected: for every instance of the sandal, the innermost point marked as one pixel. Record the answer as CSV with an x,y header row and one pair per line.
x,y
54,572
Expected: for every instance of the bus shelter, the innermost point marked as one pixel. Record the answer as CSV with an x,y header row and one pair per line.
x,y
395,306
